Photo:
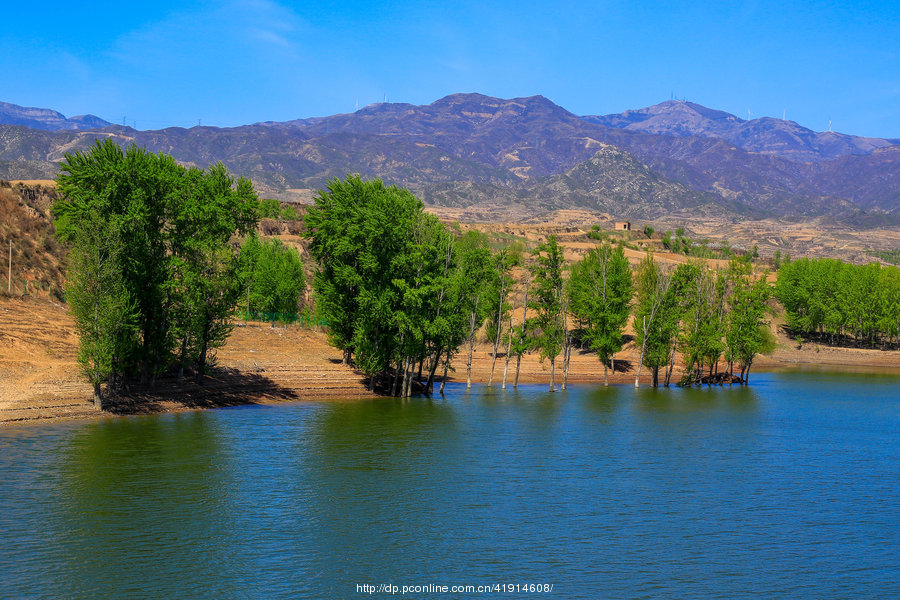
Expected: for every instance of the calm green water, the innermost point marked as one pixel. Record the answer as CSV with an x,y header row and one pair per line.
x,y
790,489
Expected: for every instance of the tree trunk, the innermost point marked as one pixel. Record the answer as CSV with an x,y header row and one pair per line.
x,y
637,377
655,373
412,369
471,347
508,350
671,366
446,368
98,400
605,376
567,353
552,372
201,362
406,361
429,386
499,330
522,336
395,388
493,363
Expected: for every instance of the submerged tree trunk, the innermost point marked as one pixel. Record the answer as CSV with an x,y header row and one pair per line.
x,y
655,373
499,330
429,386
552,372
605,376
446,368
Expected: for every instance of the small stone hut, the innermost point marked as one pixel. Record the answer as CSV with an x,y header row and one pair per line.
x,y
623,225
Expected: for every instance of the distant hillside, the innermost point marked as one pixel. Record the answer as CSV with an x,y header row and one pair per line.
x,y
523,155
25,221
766,135
44,118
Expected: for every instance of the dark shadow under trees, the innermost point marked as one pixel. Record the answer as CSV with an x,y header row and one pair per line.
x,y
221,387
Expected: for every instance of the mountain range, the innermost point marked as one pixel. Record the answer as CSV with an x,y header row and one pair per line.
x,y
522,156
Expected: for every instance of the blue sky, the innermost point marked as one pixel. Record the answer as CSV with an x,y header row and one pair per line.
x,y
243,61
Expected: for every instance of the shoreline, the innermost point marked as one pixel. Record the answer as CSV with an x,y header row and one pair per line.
x,y
260,364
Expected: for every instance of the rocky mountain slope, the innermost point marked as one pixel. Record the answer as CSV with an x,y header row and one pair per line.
x,y
44,118
778,137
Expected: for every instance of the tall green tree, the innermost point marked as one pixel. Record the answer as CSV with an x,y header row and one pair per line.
x,y
132,189
658,313
158,242
504,260
356,230
748,332
382,277
601,289
548,332
103,310
211,212
703,325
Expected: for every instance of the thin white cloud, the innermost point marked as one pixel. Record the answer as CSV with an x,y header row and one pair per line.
x,y
231,32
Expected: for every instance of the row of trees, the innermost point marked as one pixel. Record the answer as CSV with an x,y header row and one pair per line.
x,y
840,301
156,266
706,315
163,255
403,295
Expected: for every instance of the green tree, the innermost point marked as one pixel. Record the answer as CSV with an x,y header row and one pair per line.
x,y
289,213
748,332
501,284
547,292
704,303
269,208
211,209
382,269
658,312
155,239
601,289
103,311
272,277
131,191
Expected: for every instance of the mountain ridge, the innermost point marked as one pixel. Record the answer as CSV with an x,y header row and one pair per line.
x,y
466,149
47,119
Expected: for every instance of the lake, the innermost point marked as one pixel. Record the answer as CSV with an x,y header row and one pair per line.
x,y
787,489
